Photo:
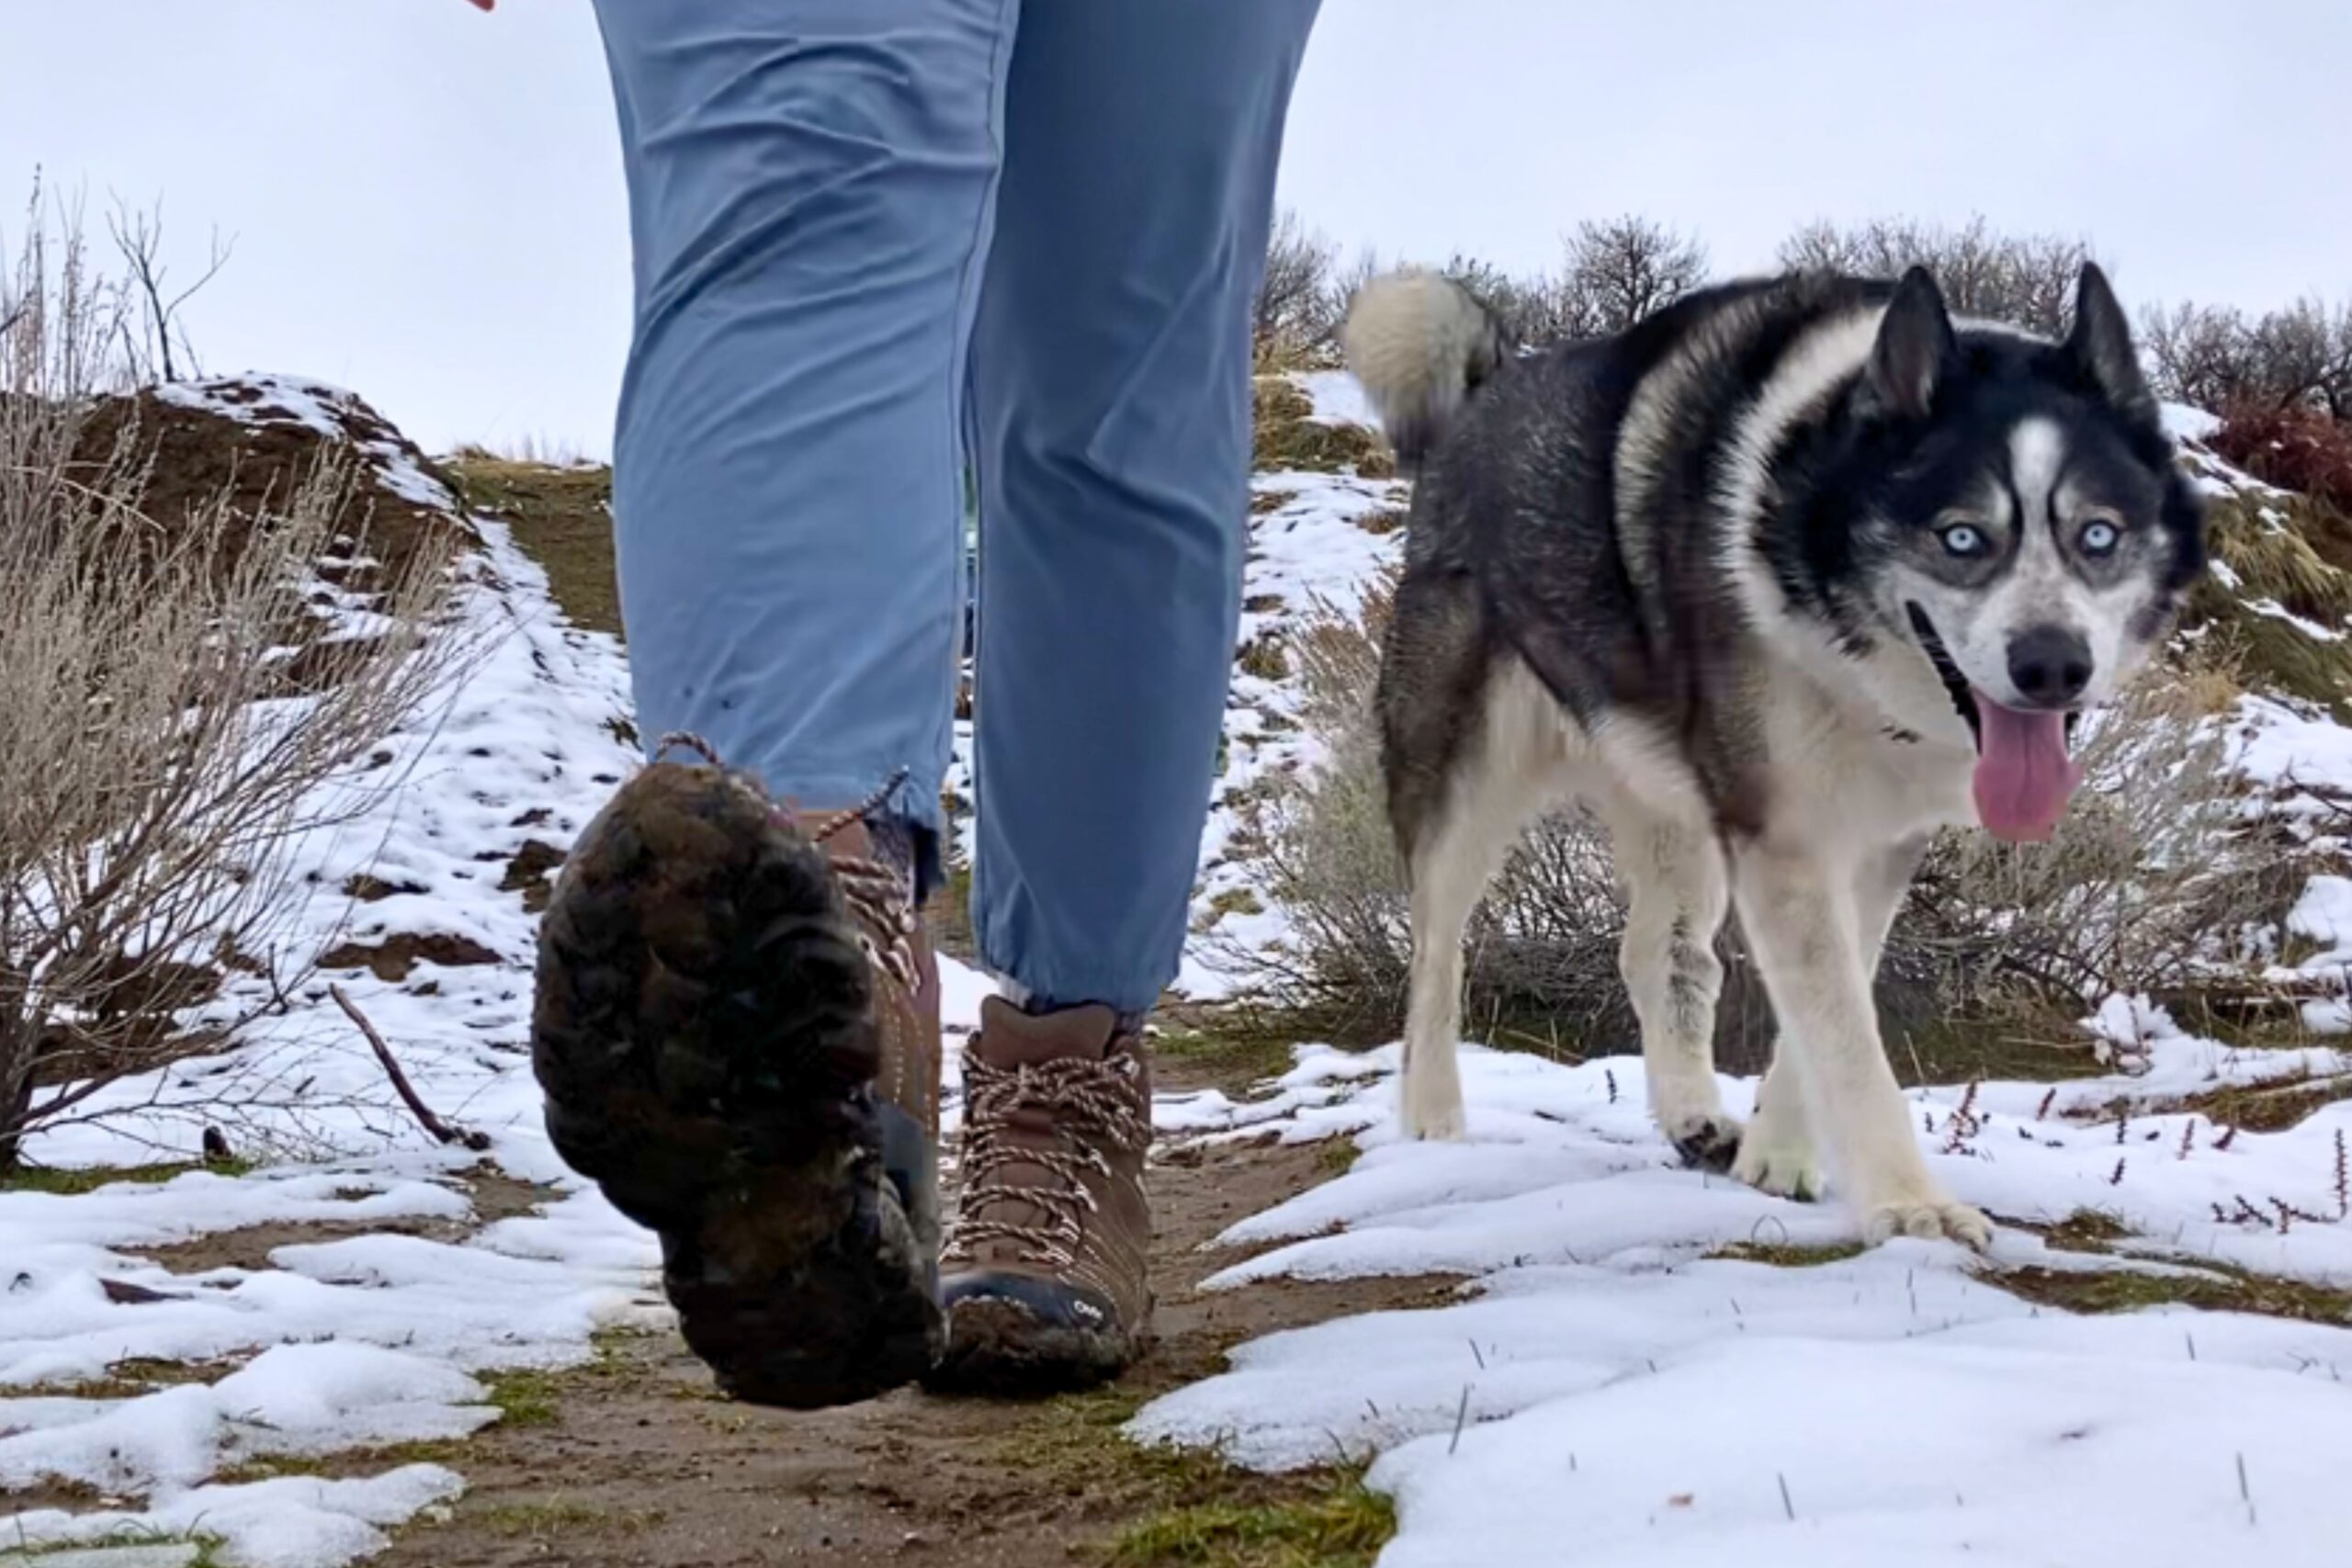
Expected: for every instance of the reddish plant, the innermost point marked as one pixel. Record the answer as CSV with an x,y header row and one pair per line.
x,y
2300,449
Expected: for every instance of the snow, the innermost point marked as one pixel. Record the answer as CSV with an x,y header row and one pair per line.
x,y
1888,1407
1603,1380
366,1337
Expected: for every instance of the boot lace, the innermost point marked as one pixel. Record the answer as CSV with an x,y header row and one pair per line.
x,y
1090,1105
881,901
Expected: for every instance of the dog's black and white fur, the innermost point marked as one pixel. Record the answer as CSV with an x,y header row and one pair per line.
x,y
1743,580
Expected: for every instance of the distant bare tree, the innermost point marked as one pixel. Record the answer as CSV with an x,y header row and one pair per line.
x,y
1535,308
1622,269
2197,354
155,339
1298,300
2217,357
2026,279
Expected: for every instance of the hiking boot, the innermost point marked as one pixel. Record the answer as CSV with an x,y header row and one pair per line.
x,y
1044,1281
736,1028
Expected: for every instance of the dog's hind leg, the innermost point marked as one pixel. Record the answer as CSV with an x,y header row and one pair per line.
x,y
1453,841
1779,1153
1679,890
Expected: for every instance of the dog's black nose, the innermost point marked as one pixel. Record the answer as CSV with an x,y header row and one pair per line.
x,y
2050,665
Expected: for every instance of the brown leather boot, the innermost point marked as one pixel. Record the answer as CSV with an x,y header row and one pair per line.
x,y
1045,1281
736,1027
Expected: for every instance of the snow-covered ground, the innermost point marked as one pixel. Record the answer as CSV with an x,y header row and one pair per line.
x,y
1606,1391
1603,1383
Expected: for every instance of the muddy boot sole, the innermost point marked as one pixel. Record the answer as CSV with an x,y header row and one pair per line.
x,y
1027,1338
704,1034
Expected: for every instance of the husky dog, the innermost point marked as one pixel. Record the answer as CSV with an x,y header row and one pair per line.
x,y
1776,583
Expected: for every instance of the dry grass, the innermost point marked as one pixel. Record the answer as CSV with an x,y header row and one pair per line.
x,y
562,515
1290,439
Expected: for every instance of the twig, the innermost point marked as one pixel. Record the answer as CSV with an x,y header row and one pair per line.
x,y
433,1126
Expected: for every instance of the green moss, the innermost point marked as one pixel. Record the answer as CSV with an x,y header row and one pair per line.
x,y
1337,1157
2208,1287
2086,1230
1788,1255
1341,1526
1190,1508
75,1181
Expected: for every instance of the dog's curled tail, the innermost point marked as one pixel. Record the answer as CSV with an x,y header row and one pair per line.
x,y
1421,343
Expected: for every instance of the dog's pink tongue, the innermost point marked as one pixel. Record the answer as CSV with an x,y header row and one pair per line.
x,y
2024,777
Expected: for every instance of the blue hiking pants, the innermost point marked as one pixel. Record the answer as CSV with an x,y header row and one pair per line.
x,y
874,238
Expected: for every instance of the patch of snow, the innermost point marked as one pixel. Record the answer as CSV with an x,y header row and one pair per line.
x,y
1337,398
2183,422
292,1522
1603,1380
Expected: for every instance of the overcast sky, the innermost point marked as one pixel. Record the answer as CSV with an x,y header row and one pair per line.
x,y
426,202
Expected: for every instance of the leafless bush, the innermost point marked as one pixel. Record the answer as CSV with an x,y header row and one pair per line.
x,y
2218,357
152,329
1622,269
2146,883
158,755
1613,273
2026,279
1535,308
1299,299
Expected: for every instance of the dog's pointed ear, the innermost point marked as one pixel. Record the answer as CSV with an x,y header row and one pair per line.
x,y
2099,349
1916,349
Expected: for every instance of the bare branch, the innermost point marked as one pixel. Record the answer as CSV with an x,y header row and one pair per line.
x,y
433,1126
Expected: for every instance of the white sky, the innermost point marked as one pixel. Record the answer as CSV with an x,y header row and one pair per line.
x,y
427,206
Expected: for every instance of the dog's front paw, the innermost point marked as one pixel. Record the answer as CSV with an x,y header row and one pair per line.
x,y
1431,1114
1434,1126
1929,1216
1707,1140
1779,1159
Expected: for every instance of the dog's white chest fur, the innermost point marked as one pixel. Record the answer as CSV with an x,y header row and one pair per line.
x,y
1842,779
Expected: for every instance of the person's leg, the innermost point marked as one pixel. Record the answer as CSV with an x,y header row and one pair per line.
x,y
1110,395
811,184
1110,384
736,1022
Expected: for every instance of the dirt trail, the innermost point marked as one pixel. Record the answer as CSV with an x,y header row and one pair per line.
x,y
638,1461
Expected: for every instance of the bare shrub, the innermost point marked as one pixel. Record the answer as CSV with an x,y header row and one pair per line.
x,y
1535,308
158,756
1613,273
153,329
1299,299
1621,269
2026,279
2146,884
2149,883
2220,358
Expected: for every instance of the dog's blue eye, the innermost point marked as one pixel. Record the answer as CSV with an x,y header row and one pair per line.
x,y
1963,539
2101,538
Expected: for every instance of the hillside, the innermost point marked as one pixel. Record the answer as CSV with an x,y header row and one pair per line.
x,y
352,1340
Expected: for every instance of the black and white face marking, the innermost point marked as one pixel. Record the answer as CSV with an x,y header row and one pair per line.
x,y
2036,583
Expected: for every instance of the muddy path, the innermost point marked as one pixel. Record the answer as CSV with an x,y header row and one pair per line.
x,y
636,1459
